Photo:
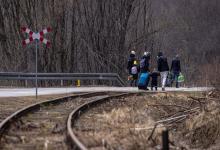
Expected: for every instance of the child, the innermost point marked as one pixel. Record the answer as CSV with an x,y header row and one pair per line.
x,y
134,73
154,76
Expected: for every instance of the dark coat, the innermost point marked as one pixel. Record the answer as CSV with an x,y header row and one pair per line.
x,y
162,64
154,76
131,60
175,66
145,66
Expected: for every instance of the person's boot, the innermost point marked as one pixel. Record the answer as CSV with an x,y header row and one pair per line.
x,y
177,85
135,84
156,88
131,83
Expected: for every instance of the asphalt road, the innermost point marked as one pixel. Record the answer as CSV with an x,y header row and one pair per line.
x,y
16,92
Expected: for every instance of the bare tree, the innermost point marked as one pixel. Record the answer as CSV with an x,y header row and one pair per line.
x,y
97,35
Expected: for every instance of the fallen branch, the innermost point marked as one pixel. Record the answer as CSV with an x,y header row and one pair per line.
x,y
213,99
178,120
169,105
171,118
150,127
151,135
198,99
186,111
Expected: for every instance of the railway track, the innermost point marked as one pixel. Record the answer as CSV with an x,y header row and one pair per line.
x,y
44,126
75,114
11,104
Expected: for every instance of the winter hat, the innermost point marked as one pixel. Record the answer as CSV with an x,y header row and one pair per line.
x,y
160,54
146,53
133,52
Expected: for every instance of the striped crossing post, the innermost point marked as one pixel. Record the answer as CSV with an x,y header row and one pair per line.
x,y
42,39
37,36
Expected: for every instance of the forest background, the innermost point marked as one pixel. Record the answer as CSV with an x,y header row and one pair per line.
x,y
98,35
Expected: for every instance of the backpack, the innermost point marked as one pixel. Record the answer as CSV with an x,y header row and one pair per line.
x,y
134,70
142,63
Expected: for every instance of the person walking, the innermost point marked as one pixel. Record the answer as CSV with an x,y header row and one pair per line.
x,y
163,68
175,69
144,69
145,62
134,73
154,75
131,60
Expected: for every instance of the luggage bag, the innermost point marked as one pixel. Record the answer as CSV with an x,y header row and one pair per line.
x,y
143,81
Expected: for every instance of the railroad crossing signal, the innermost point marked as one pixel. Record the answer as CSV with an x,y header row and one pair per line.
x,y
36,36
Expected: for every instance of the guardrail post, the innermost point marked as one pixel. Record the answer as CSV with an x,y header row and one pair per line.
x,y
165,140
26,83
78,83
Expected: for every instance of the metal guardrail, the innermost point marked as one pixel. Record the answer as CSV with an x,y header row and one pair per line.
x,y
61,76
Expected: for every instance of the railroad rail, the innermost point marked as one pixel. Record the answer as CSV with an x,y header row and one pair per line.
x,y
55,111
9,105
61,76
75,142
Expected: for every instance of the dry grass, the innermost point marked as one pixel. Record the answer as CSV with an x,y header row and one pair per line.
x,y
128,123
203,130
